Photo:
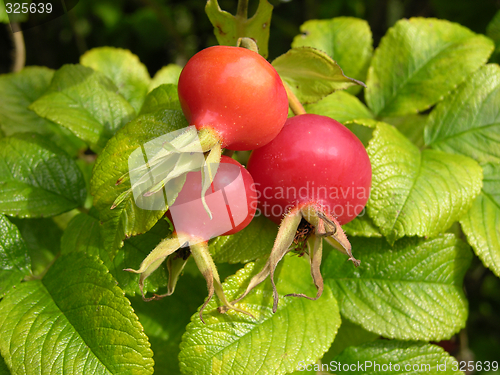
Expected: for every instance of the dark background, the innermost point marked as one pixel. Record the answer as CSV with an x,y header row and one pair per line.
x,y
167,31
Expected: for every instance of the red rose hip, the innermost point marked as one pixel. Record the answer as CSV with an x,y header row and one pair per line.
x,y
314,160
236,93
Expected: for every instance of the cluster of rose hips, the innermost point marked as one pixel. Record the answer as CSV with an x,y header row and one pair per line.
x,y
308,172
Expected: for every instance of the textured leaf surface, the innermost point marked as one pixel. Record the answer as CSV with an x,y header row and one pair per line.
x,y
417,193
15,263
127,219
37,178
362,226
404,357
468,121
228,28
87,103
349,334
233,343
419,61
256,240
340,106
83,234
42,238
167,74
162,97
124,69
17,92
411,126
73,321
335,37
311,73
411,291
481,224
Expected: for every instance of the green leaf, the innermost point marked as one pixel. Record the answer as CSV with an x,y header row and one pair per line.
x,y
165,321
167,74
39,179
17,92
15,263
124,69
73,321
127,219
481,224
467,122
254,241
411,126
163,97
228,28
87,103
43,238
403,357
233,343
419,61
491,182
311,73
362,226
4,17
340,106
334,37
131,255
417,193
363,129
349,334
410,291
83,234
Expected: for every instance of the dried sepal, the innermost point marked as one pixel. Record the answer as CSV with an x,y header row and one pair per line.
x,y
315,246
284,239
175,265
205,263
329,228
154,260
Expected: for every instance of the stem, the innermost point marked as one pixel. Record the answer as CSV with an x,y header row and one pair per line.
x,y
242,10
19,48
247,43
294,103
206,265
